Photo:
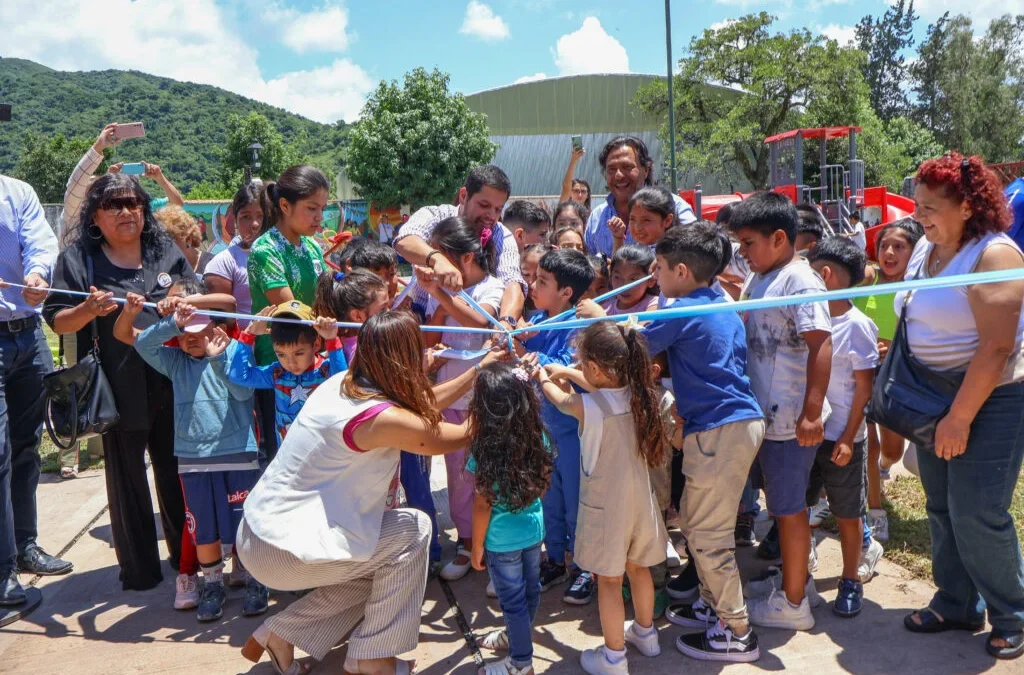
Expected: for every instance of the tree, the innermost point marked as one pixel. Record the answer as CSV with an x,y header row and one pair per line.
x,y
275,156
47,163
765,83
885,40
211,190
970,92
416,142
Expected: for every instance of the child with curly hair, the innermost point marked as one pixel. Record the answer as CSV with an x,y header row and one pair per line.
x,y
511,463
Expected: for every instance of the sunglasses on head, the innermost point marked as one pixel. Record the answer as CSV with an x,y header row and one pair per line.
x,y
116,204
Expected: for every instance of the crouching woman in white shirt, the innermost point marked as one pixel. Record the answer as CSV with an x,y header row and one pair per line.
x,y
318,517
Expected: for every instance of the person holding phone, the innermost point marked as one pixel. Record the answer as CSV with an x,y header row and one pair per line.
x,y
573,188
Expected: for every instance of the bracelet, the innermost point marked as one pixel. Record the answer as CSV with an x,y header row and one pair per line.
x,y
478,367
429,256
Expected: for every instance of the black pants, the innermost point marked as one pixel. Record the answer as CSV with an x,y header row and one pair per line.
x,y
24,359
131,508
266,419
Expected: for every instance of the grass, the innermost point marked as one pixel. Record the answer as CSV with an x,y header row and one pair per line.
x,y
48,452
909,542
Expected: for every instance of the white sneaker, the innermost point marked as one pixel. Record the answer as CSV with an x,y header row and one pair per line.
x,y
453,571
878,521
646,645
761,588
869,558
812,557
186,591
491,592
820,512
775,611
672,556
595,662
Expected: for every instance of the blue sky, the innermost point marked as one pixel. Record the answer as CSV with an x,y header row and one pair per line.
x,y
321,58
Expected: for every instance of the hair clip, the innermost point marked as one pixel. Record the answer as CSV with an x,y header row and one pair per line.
x,y
631,324
965,171
485,236
521,374
338,276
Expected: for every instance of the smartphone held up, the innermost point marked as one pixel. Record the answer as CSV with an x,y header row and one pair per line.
x,y
577,142
129,130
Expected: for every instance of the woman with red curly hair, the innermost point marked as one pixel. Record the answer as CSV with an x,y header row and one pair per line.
x,y
973,332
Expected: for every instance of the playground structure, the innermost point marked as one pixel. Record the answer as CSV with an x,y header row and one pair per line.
x,y
839,193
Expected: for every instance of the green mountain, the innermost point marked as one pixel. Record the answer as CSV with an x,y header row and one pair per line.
x,y
185,122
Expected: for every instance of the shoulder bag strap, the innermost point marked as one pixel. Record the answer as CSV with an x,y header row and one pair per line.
x,y
92,324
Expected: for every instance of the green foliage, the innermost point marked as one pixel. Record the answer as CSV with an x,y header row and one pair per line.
x,y
187,124
767,81
47,163
970,91
416,142
885,40
275,157
212,190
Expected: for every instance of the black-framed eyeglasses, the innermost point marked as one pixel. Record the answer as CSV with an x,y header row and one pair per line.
x,y
117,204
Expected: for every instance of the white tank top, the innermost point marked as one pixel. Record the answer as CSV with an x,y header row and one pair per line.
x,y
320,499
941,329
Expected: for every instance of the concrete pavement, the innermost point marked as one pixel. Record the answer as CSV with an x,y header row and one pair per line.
x,y
87,625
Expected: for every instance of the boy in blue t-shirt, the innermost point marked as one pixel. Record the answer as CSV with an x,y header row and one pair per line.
x,y
563,276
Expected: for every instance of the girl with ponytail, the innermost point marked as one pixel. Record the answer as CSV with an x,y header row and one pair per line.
x,y
619,529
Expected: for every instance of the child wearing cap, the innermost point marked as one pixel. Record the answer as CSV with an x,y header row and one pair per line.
x,y
299,368
214,441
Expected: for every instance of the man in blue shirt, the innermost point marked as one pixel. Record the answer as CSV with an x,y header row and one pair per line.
x,y
627,168
29,250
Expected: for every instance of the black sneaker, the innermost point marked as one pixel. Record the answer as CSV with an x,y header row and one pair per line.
x,y
697,615
257,598
745,530
211,601
769,548
551,574
582,590
686,585
718,643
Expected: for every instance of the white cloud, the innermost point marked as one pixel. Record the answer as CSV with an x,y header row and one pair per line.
x,y
841,34
321,29
201,47
483,23
590,50
531,78
719,25
981,12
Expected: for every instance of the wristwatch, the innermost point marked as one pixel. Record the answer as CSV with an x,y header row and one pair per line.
x,y
510,320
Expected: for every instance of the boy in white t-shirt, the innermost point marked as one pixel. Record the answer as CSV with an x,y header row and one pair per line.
x,y
789,359
841,463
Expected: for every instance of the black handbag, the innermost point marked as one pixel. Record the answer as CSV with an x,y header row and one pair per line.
x,y
79,401
908,397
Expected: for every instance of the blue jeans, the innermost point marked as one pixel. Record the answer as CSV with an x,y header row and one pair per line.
x,y
516,577
748,500
24,359
976,557
416,483
562,500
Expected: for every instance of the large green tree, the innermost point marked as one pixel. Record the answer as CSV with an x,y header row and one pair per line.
x,y
885,40
416,141
46,163
274,158
970,90
766,82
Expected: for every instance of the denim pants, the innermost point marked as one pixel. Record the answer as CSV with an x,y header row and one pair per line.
x,y
976,557
562,500
516,577
416,483
24,359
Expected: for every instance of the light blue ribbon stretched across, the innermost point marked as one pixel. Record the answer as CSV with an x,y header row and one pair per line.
x,y
599,299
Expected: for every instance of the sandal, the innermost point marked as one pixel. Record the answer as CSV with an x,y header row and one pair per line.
x,y
496,641
931,622
257,644
504,667
67,472
1015,640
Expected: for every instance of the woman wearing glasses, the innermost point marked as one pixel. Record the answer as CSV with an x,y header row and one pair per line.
x,y
119,244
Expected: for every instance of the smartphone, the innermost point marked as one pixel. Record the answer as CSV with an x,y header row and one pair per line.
x,y
5,112
129,130
133,169
577,142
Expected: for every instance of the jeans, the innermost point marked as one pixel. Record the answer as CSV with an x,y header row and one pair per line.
x,y
516,577
976,557
562,500
416,483
24,359
748,500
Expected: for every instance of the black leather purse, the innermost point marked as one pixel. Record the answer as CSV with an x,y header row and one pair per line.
x,y
909,397
79,401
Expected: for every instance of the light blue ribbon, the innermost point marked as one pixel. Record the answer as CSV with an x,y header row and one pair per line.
x,y
599,299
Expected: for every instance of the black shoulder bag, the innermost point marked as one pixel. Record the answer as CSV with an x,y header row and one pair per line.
x,y
909,397
79,401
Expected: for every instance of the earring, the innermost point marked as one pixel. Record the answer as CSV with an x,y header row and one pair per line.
x,y
98,236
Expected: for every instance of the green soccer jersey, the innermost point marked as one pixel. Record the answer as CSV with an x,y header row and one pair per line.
x,y
274,262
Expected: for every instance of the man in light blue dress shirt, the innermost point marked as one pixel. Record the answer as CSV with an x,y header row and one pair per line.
x,y
627,168
28,251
